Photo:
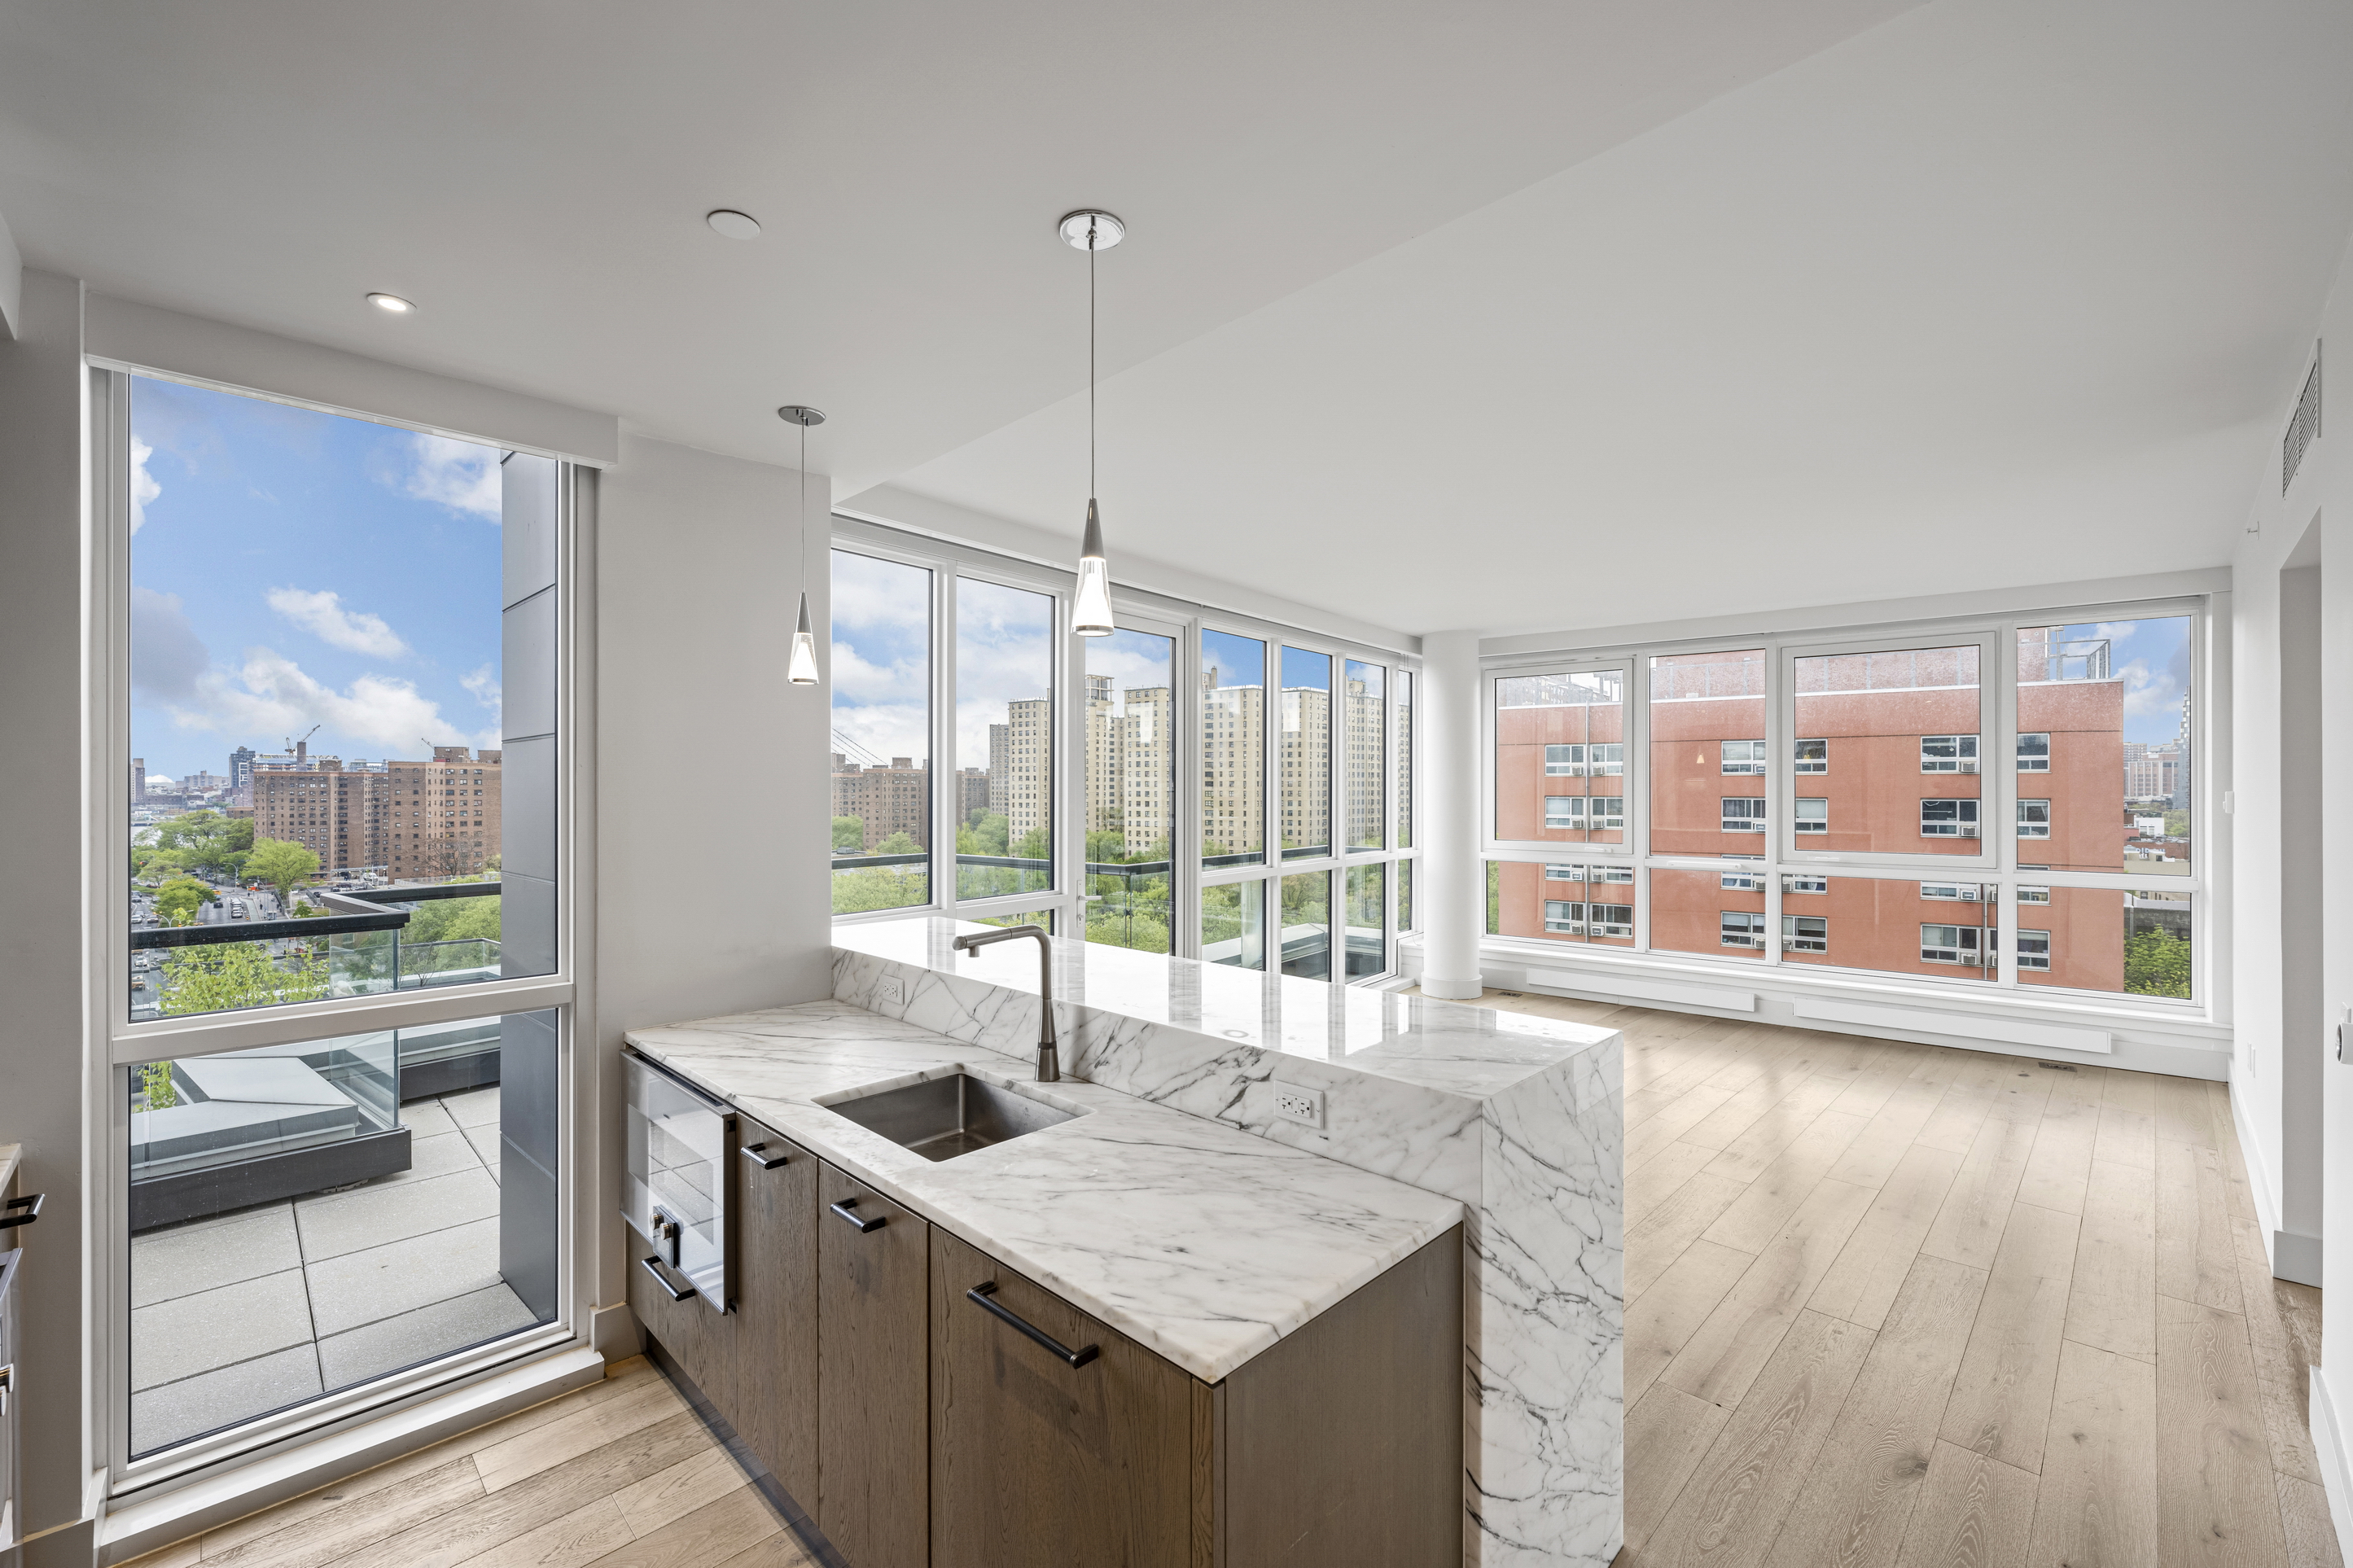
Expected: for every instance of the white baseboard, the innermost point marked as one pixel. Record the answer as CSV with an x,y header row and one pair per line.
x,y
2328,1448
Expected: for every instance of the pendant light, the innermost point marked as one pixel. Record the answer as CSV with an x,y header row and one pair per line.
x,y
1090,617
801,670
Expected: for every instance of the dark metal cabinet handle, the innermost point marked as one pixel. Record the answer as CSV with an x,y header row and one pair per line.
x,y
31,1205
982,1296
652,1266
757,1153
863,1223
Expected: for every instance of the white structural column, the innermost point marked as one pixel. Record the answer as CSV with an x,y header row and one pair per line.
x,y
1453,884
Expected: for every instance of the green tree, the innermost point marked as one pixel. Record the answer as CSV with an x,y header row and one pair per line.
x,y
452,920
1035,844
227,975
178,901
848,836
2157,963
985,833
900,843
204,841
881,888
282,863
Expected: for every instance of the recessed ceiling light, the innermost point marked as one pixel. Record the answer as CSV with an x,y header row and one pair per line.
x,y
392,302
732,224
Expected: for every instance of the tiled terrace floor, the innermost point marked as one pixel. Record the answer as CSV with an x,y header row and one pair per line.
x,y
245,1313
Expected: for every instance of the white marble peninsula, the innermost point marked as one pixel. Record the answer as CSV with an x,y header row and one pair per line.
x,y
1520,1120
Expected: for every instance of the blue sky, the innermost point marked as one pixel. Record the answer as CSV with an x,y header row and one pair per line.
x,y
2152,657
292,568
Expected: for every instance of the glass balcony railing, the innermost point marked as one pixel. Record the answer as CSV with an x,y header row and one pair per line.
x,y
354,950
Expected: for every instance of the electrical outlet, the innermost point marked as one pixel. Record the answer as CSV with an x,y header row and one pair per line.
x,y
1295,1102
890,988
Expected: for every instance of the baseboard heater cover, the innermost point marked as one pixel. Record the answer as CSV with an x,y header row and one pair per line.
x,y
2011,1031
1645,990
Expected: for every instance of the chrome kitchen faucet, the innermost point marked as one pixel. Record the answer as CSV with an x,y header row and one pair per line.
x,y
1050,1061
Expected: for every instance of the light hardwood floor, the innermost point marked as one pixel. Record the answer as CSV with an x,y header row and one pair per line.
x,y
1897,1304
620,1474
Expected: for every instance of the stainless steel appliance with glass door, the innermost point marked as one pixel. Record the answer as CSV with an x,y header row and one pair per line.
x,y
674,1183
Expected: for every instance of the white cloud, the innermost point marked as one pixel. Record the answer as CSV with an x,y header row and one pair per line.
x,y
321,614
168,657
460,475
143,488
484,685
271,696
2148,691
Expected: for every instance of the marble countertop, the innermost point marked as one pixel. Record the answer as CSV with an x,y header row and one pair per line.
x,y
1206,1244
1472,1051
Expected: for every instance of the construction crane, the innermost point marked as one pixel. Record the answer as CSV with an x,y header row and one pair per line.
x,y
292,742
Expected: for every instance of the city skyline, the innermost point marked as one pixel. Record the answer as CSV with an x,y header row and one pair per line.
x,y
292,568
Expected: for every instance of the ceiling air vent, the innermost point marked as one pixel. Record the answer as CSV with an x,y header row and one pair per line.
x,y
2304,428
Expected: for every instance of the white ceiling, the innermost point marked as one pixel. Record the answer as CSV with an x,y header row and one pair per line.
x,y
1505,315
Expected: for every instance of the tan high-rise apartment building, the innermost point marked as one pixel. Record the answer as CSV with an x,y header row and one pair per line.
x,y
1364,744
403,819
1021,766
1130,765
1305,747
896,799
1233,768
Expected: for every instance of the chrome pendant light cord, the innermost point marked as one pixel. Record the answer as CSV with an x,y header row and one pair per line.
x,y
1090,358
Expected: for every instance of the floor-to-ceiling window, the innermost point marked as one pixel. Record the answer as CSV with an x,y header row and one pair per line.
x,y
1191,784
1988,804
340,716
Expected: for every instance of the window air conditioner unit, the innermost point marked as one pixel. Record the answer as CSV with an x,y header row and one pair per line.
x,y
1969,830
1972,960
1968,764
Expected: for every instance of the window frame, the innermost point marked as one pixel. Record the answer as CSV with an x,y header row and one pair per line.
x,y
1185,622
1630,763
1997,867
122,1045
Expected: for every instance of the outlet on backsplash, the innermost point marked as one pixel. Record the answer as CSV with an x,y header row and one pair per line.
x,y
890,988
1295,1102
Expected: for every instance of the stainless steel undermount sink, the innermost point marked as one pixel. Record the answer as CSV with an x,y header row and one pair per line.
x,y
941,1118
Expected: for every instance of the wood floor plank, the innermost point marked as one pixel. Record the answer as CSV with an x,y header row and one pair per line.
x,y
1872,1157
2096,1506
1968,1227
2127,1134
340,1532
1652,1247
1662,1320
777,1551
2061,1166
1871,1269
1955,1123
352,1493
1731,1346
1668,1432
2216,1500
505,1463
1773,1194
2183,1113
675,1492
1973,1512
1857,1505
2304,1517
1664,1112
2114,1303
2000,1405
1726,1515
475,1527
711,1533
568,1541
1772,1106
1804,1120
1653,1180
2196,1255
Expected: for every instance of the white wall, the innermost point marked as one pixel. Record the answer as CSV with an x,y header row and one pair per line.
x,y
42,974
2294,984
714,776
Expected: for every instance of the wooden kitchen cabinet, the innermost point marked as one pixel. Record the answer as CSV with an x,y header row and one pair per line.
x,y
776,1308
1038,1462
1339,1448
874,1375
